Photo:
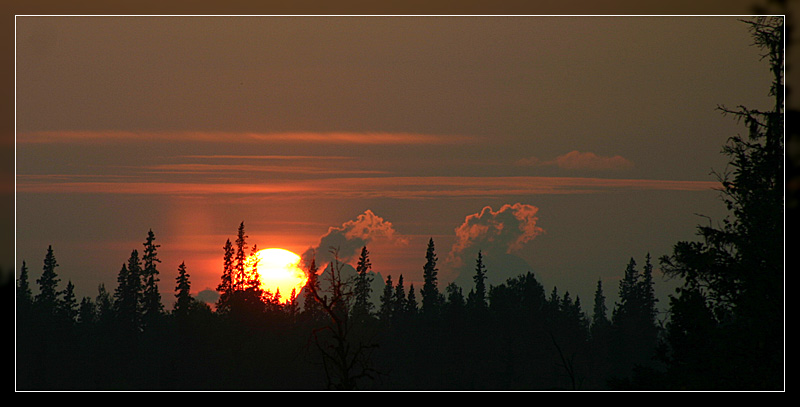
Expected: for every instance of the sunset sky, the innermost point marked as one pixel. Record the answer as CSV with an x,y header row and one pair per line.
x,y
560,145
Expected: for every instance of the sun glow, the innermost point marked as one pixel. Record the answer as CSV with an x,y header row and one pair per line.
x,y
279,272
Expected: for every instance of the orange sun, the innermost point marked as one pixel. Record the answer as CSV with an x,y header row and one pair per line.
x,y
279,271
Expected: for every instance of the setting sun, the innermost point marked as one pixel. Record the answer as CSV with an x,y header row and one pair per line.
x,y
279,272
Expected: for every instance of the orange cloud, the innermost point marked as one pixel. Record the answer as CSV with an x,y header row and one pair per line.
x,y
354,234
576,160
44,137
361,187
503,231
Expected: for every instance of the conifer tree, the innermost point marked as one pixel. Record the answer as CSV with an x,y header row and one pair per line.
x,y
476,298
69,305
104,305
412,307
128,294
152,305
385,311
239,277
599,316
399,301
312,310
87,311
183,297
225,287
362,307
432,299
24,294
47,299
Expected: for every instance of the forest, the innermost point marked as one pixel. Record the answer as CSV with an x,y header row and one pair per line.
x,y
723,330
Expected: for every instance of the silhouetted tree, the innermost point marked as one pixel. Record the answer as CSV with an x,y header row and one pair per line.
x,y
399,300
385,310
738,266
48,297
151,297
600,319
24,294
183,296
362,306
431,298
312,310
634,328
127,296
87,311
225,287
239,277
69,305
346,359
476,299
104,305
412,307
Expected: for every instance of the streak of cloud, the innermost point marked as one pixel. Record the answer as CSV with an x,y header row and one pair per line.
x,y
366,138
576,160
361,187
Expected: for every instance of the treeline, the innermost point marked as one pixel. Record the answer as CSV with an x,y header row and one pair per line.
x,y
331,336
724,327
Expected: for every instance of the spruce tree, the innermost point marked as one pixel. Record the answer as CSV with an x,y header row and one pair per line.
x,y
399,301
48,299
225,287
69,304
152,306
312,310
362,307
385,311
599,315
183,297
239,277
412,307
24,294
87,311
431,298
476,299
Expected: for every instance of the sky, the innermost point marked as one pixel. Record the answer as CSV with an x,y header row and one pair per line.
x,y
564,146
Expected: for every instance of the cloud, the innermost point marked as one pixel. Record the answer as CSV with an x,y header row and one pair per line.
x,y
498,235
351,237
49,137
360,187
576,160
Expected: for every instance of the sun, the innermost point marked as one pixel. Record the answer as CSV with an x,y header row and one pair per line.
x,y
279,271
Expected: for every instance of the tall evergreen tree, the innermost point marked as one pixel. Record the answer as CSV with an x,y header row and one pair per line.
x,y
431,298
152,306
24,294
412,307
738,266
476,299
104,305
362,307
399,307
385,310
48,296
183,297
69,304
599,315
87,311
312,310
128,295
225,287
239,277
